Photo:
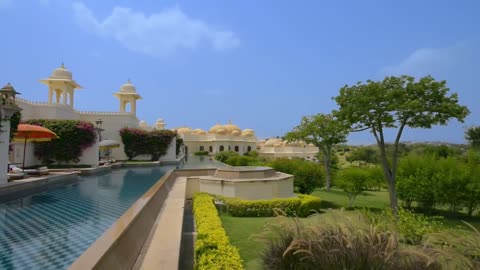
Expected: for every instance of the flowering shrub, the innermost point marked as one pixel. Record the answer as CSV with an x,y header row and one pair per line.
x,y
74,137
141,142
212,246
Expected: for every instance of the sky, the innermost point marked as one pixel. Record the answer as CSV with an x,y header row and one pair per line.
x,y
261,64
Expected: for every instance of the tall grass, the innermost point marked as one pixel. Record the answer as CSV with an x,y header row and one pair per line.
x,y
340,241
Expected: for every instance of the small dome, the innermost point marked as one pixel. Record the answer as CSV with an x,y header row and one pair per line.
x,y
248,132
184,130
215,128
236,133
272,142
160,120
128,88
231,128
278,144
143,124
221,131
199,131
294,143
61,73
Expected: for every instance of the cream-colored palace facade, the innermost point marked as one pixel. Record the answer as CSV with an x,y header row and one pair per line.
x,y
61,89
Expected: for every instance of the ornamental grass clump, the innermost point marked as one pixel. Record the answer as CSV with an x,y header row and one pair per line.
x,y
340,241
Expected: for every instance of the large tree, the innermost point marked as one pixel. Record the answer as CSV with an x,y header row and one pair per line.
x,y
396,103
324,131
472,135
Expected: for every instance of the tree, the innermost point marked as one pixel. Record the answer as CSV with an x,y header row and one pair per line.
x,y
396,103
353,181
324,131
365,154
472,135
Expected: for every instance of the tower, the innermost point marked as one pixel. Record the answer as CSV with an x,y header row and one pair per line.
x,y
61,87
128,96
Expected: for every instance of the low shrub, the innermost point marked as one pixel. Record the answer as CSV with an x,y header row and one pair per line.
x,y
308,175
301,206
201,153
241,161
224,155
212,246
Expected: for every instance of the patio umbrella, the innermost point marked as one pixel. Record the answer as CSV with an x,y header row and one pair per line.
x,y
33,133
107,145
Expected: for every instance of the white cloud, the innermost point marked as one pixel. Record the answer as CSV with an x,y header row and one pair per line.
x,y
426,61
5,3
158,34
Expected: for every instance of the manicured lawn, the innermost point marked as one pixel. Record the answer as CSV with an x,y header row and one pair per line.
x,y
242,230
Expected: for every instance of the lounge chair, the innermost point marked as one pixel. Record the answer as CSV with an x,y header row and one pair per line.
x,y
39,171
15,175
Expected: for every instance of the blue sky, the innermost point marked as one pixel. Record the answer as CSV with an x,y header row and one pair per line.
x,y
261,64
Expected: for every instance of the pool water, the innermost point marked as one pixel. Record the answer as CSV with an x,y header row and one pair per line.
x,y
49,230
201,162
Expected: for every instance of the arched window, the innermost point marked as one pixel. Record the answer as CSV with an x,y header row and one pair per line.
x,y
249,148
236,148
221,148
201,148
210,149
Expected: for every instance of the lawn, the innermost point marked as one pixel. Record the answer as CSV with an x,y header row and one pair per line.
x,y
242,230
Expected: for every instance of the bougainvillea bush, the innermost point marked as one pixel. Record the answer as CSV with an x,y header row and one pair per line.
x,y
141,142
74,137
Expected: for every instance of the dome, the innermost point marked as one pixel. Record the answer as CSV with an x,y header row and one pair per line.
x,y
236,132
160,120
61,73
184,130
199,131
215,128
278,144
143,124
294,143
221,131
248,132
128,88
231,128
272,142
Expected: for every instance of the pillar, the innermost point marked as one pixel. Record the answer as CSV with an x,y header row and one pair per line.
x,y
133,107
50,95
71,98
4,144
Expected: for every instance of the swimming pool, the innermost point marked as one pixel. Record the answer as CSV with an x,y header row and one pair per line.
x,y
49,230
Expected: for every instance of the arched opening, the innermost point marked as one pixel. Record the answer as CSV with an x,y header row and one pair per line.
x,y
249,148
210,149
221,148
128,107
236,148
201,148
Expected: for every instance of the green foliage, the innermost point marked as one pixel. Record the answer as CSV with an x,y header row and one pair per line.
x,y
364,154
324,131
376,178
353,181
441,151
212,246
472,135
141,142
14,121
397,102
338,242
308,175
74,137
224,155
178,145
238,160
201,153
253,154
301,206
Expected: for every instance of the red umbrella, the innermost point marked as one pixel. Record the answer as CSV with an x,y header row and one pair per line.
x,y
33,133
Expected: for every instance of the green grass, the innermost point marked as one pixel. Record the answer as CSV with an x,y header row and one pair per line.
x,y
242,231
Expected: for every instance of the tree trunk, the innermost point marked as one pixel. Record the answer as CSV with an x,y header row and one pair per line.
x,y
393,195
326,162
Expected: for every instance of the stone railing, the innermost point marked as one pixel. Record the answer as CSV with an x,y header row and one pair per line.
x,y
103,113
22,100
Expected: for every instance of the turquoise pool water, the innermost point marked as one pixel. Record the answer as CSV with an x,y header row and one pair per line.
x,y
49,230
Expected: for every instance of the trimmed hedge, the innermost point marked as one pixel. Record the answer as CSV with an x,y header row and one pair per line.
x,y
301,206
212,246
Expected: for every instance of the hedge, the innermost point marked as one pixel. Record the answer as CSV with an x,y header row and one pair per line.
x,y
301,206
137,142
212,246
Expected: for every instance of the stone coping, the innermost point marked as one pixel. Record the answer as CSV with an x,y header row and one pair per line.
x,y
120,245
245,169
277,177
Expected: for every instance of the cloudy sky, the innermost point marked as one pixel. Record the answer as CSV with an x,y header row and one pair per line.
x,y
261,64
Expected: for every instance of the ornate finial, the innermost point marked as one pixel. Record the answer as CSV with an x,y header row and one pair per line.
x,y
63,66
128,81
9,84
229,122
